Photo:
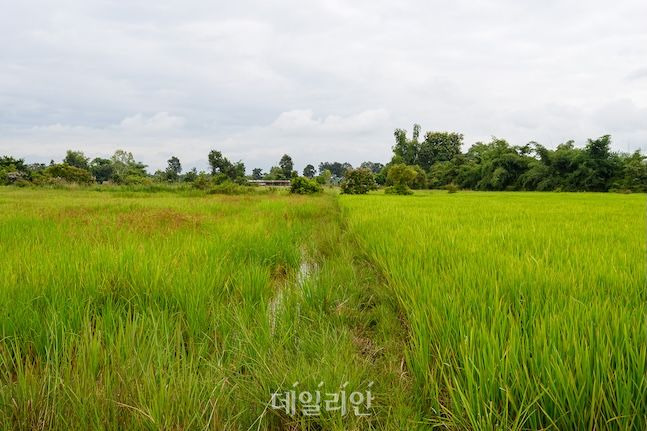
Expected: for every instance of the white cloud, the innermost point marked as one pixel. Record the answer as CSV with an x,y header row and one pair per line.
x,y
321,80
162,121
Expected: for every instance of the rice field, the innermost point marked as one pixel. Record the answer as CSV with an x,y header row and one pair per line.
x,y
526,310
171,311
134,310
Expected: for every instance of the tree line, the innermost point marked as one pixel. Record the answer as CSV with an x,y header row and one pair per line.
x,y
497,165
435,160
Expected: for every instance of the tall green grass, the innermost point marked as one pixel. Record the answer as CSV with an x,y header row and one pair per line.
x,y
158,311
182,310
526,310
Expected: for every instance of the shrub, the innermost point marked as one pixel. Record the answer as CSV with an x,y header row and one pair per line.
x,y
304,186
420,180
358,182
230,188
452,188
201,182
398,189
69,174
401,176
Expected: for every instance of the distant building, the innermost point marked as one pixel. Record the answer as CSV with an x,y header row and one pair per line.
x,y
269,182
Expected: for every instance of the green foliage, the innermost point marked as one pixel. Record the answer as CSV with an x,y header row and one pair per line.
x,y
374,167
336,169
358,182
452,188
220,165
126,170
304,186
309,171
324,178
77,159
202,181
12,164
173,170
275,173
190,176
634,173
102,169
287,166
401,177
230,188
69,174
420,180
257,174
498,165
398,189
13,171
438,147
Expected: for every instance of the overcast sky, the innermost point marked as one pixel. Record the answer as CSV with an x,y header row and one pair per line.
x,y
318,79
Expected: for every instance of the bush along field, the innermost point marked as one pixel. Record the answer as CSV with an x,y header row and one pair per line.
x,y
135,309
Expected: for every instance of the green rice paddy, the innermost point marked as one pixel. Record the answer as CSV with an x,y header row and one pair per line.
x,y
132,310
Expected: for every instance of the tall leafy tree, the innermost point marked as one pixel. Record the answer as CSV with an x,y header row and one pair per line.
x,y
173,169
219,164
77,159
101,169
309,171
124,166
438,147
287,166
257,174
374,167
407,149
337,169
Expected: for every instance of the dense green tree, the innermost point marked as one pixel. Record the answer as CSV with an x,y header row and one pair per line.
x,y
218,163
633,176
70,174
275,173
257,174
13,171
374,167
77,159
287,166
304,186
173,169
324,177
125,168
401,177
309,171
407,149
15,164
337,169
101,169
358,182
190,176
438,147
599,166
222,169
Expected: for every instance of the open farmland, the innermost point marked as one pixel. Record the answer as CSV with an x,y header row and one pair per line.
x,y
171,311
133,310
526,310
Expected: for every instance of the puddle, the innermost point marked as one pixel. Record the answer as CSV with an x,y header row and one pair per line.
x,y
306,269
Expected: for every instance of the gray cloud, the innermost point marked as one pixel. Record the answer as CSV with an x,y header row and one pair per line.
x,y
321,80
